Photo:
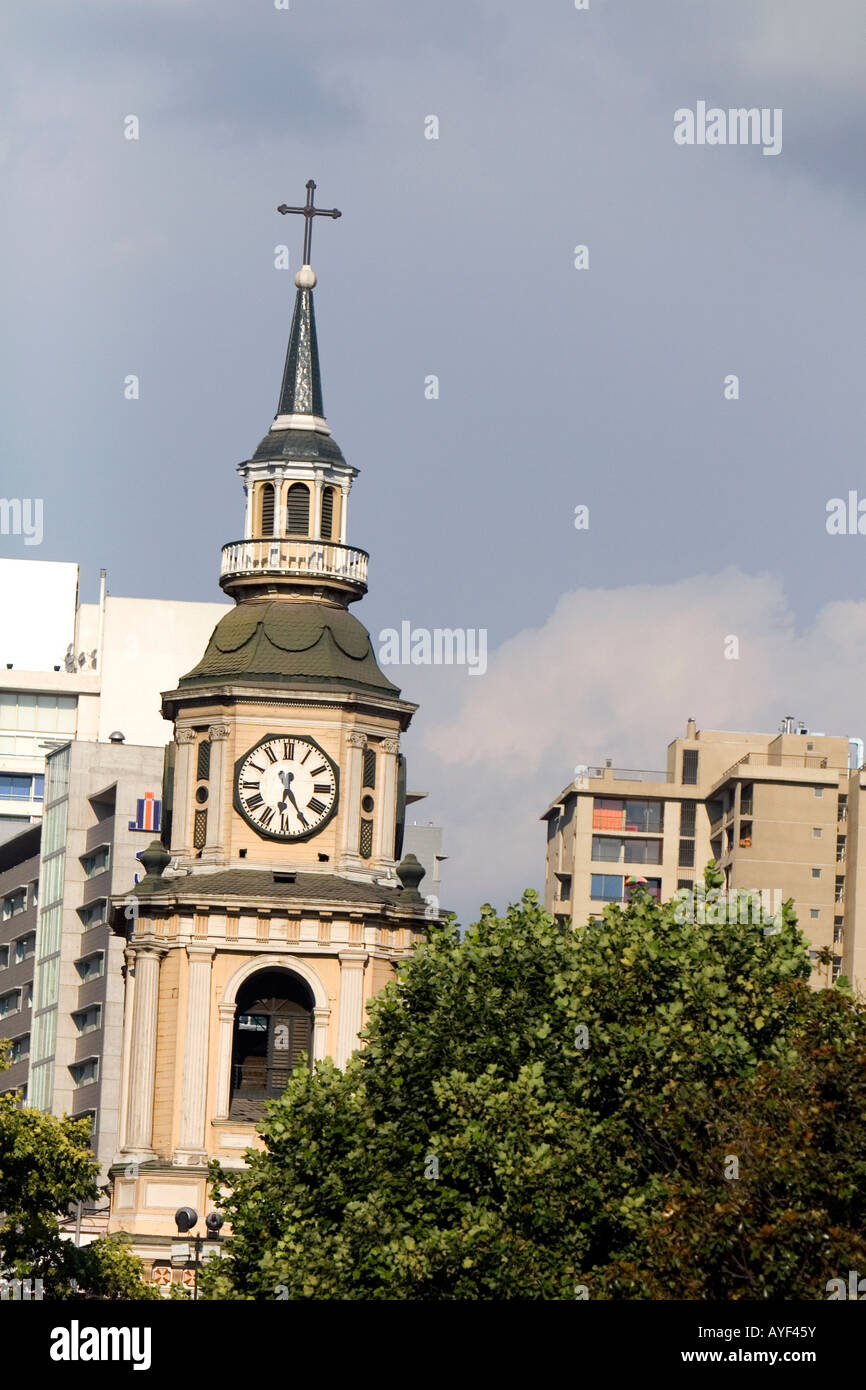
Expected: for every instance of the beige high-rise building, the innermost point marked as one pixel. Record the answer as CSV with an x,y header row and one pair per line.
x,y
781,813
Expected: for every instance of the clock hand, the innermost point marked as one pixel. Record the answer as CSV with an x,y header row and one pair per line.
x,y
286,778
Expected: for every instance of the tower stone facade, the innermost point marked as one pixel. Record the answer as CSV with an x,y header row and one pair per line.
x,y
275,906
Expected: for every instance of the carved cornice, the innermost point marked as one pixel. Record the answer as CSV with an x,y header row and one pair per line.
x,y
356,740
184,736
217,732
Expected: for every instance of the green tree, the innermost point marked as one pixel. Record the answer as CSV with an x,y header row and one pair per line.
x,y
523,1101
46,1165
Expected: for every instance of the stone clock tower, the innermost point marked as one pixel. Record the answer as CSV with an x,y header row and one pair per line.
x,y
275,907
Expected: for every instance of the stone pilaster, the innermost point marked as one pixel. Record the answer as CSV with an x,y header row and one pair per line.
x,y
386,804
142,1071
191,1144
352,965
181,827
350,857
128,1006
224,1060
214,850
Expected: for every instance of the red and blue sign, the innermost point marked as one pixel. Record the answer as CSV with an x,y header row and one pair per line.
x,y
148,814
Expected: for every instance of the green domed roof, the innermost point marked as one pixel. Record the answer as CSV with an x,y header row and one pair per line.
x,y
286,642
299,444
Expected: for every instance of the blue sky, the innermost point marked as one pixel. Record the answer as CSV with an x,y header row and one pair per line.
x,y
558,387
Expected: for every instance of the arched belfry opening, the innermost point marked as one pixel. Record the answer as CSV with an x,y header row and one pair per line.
x,y
273,1028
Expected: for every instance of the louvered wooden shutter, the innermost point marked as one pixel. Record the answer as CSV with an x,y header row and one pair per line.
x,y
298,510
327,530
268,509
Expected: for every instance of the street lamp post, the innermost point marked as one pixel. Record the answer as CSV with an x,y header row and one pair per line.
x,y
185,1218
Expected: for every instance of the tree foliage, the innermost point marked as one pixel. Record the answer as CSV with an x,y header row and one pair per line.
x,y
47,1165
540,1111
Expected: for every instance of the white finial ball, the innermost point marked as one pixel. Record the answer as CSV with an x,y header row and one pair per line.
x,y
305,278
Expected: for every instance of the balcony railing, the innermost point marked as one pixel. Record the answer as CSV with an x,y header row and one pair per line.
x,y
288,558
624,774
761,758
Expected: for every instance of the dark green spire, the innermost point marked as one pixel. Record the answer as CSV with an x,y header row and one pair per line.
x,y
301,391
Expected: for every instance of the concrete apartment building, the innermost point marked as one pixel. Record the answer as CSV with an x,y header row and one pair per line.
x,y
61,967
71,670
782,813
19,893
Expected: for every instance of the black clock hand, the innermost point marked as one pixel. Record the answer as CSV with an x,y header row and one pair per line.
x,y
286,778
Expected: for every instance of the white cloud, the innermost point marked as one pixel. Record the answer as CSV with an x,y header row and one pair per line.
x,y
616,672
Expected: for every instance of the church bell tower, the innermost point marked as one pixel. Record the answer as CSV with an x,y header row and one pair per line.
x,y
276,905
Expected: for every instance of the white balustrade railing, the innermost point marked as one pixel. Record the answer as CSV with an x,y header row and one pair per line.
x,y
321,559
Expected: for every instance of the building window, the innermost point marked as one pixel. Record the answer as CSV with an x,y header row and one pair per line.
x,y
95,863
327,528
685,883
745,834
607,848
28,994
21,787
25,947
816,873
298,510
268,509
273,1029
814,913
816,832
606,888
4,957
369,767
84,1073
15,902
88,1019
613,813
203,766
819,791
20,1048
93,914
90,1116
747,792
91,967
564,887
688,811
687,854
690,767
366,841
199,834
10,1003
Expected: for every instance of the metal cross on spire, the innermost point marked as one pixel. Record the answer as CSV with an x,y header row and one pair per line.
x,y
309,211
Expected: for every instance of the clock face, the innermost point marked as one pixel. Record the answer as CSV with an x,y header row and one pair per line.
x,y
286,787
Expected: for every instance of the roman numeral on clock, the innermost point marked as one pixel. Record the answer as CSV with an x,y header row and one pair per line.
x,y
323,787
266,817
269,753
255,802
289,749
314,772
314,804
250,786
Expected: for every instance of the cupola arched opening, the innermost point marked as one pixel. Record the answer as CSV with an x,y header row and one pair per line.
x,y
298,510
327,527
268,509
273,1027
